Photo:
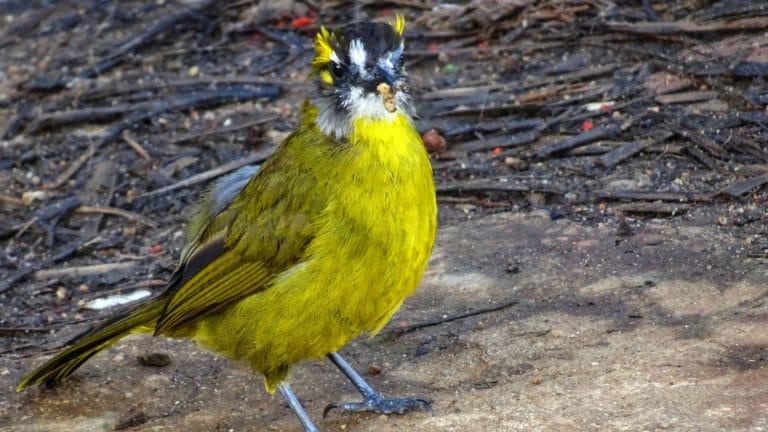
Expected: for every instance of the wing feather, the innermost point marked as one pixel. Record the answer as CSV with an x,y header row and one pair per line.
x,y
224,281
236,250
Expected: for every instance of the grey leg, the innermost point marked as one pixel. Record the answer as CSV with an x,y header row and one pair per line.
x,y
293,402
372,400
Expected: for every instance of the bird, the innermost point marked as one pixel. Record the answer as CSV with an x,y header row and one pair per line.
x,y
289,261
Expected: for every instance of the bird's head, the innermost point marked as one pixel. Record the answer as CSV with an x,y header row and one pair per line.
x,y
358,73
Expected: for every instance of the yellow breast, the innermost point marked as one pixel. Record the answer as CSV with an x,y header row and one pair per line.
x,y
372,240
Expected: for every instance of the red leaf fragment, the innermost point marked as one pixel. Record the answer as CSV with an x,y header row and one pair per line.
x,y
302,22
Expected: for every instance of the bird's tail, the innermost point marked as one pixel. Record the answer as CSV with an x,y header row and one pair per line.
x,y
142,318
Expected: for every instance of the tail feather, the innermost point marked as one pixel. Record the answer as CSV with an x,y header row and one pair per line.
x,y
85,346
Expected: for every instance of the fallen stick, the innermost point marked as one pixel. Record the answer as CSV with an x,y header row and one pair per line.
x,y
73,168
203,176
175,85
687,26
135,146
21,273
431,323
686,97
198,99
598,133
82,115
656,207
494,185
118,212
741,187
501,141
652,196
629,149
196,135
82,270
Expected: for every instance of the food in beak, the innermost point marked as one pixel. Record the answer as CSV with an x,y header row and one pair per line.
x,y
388,95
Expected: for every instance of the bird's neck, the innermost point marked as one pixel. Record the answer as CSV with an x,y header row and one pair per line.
x,y
391,141
339,125
388,146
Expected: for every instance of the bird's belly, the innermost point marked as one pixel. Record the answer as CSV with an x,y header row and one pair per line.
x,y
349,286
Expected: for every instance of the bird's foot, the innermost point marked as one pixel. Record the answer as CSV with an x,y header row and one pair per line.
x,y
379,404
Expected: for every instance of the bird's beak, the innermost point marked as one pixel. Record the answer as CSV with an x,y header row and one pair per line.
x,y
388,95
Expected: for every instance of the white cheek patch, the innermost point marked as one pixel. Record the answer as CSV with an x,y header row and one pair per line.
x,y
388,61
357,54
386,64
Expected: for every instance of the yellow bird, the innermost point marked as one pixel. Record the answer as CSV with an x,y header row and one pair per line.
x,y
320,245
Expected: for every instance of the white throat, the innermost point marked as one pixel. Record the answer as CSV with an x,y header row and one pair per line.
x,y
338,121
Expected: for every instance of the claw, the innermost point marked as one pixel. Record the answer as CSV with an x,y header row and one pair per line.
x,y
372,400
329,408
381,405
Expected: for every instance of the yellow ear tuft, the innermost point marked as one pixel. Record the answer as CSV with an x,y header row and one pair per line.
x,y
323,48
399,25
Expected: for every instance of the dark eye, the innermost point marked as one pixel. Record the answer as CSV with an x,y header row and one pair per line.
x,y
337,70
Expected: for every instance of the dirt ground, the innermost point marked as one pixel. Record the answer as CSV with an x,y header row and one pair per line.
x,y
665,330
601,255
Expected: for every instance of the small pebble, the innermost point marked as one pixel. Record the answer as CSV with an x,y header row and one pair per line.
x,y
154,359
61,293
134,417
434,142
514,162
536,199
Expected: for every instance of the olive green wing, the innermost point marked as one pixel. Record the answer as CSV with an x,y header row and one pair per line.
x,y
262,232
213,278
